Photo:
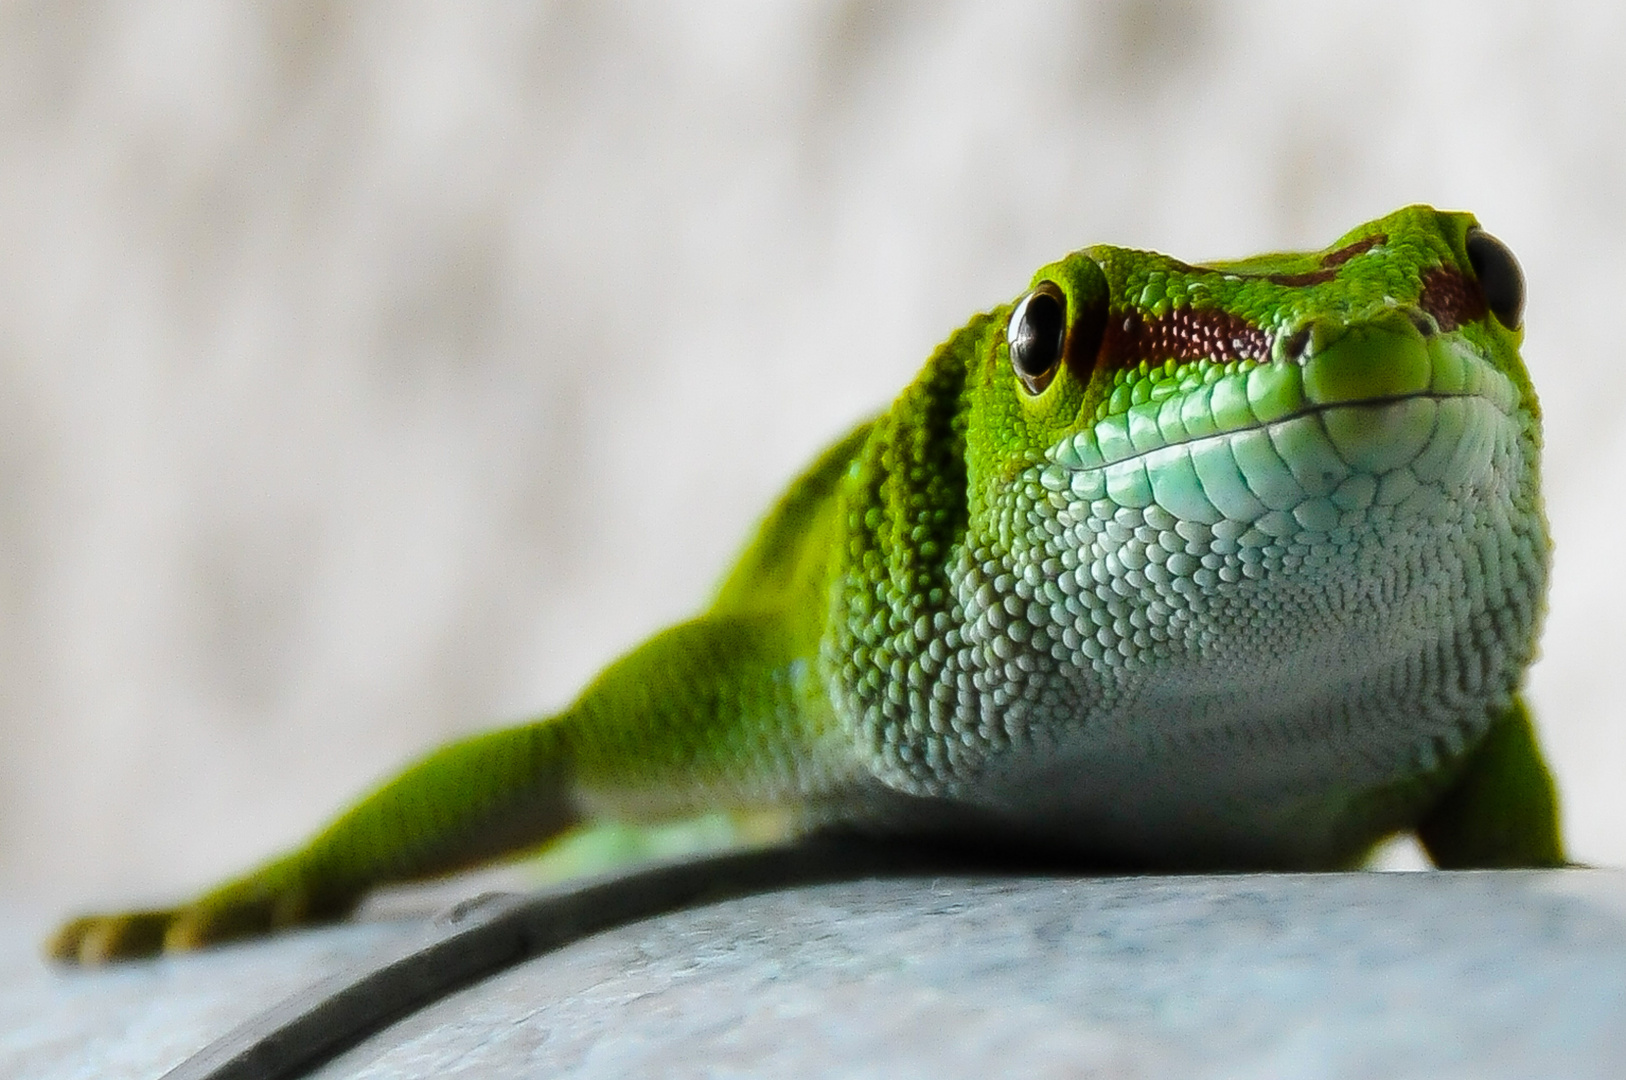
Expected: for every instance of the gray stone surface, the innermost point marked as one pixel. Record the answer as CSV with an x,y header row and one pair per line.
x,y
1342,975
137,1021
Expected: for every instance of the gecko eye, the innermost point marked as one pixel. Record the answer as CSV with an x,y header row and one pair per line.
x,y
1037,334
1499,276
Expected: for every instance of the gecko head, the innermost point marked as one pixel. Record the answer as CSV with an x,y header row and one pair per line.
x,y
1282,384
1255,472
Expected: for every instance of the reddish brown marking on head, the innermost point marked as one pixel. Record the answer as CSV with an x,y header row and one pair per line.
x,y
1180,335
1330,263
1348,252
1313,277
1451,297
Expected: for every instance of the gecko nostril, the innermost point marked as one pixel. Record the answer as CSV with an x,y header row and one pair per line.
x,y
1423,321
1295,344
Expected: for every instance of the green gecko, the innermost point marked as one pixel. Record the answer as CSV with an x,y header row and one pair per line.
x,y
1159,566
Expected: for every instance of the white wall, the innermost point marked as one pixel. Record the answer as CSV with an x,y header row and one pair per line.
x,y
374,372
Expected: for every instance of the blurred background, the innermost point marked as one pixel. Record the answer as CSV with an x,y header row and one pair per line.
x,y
373,372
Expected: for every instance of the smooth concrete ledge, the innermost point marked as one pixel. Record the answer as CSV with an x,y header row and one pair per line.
x,y
1484,975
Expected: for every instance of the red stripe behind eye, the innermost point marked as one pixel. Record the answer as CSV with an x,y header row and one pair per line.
x,y
1130,338
1180,335
1451,297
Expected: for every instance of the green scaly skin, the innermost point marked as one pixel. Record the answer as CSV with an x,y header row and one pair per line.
x,y
1242,569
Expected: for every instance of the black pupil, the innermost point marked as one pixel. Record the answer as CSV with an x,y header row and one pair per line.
x,y
1499,276
1039,333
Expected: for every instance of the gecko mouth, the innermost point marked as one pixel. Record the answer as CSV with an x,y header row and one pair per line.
x,y
1284,439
